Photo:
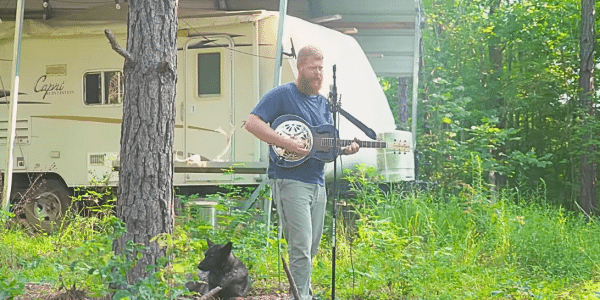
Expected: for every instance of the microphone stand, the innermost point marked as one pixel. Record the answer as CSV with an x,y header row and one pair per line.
x,y
336,110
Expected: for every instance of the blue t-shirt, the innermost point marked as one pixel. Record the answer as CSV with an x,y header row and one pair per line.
x,y
287,99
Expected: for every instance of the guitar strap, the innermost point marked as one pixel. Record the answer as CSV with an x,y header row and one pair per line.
x,y
368,131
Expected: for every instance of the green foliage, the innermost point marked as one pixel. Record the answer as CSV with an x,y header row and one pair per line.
x,y
245,229
390,89
98,199
473,245
10,288
472,242
361,181
500,80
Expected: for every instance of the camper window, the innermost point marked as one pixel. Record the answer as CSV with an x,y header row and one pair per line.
x,y
93,94
103,87
209,74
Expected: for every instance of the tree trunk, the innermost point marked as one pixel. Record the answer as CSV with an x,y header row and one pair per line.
x,y
586,83
145,199
495,52
496,98
403,112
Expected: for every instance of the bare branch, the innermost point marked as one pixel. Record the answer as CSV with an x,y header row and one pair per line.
x,y
211,293
115,45
291,279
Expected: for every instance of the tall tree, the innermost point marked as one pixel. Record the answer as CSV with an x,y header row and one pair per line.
x,y
145,199
501,76
494,82
586,96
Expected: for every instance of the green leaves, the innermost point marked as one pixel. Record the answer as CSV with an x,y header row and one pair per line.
x,y
477,243
11,288
122,295
499,78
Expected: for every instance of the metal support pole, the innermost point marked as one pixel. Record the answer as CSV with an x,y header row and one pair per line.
x,y
335,112
12,118
277,82
279,55
417,56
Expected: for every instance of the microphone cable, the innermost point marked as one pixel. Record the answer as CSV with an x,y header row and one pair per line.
x,y
348,234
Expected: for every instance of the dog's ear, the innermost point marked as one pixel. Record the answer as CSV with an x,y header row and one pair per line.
x,y
227,248
209,243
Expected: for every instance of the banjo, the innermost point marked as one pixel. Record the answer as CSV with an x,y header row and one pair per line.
x,y
319,141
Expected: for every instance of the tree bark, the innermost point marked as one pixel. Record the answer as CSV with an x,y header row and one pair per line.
x,y
495,53
586,84
403,112
145,197
496,98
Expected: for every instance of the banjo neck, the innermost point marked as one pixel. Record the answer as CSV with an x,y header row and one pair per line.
x,y
363,144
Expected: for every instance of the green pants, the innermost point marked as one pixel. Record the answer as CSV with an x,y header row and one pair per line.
x,y
301,210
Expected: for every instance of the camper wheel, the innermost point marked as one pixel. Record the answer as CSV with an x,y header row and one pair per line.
x,y
47,205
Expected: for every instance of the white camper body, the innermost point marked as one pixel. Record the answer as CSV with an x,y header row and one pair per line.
x,y
69,117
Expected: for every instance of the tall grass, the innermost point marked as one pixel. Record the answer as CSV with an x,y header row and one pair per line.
x,y
475,245
399,244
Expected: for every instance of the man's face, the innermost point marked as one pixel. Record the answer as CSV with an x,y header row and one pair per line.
x,y
310,75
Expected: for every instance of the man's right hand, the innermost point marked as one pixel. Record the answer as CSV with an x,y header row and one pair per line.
x,y
295,145
260,129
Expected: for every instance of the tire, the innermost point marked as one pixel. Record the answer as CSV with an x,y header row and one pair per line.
x,y
47,205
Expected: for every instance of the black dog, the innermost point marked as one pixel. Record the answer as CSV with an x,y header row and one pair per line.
x,y
225,270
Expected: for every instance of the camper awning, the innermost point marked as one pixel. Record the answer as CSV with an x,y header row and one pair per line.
x,y
385,29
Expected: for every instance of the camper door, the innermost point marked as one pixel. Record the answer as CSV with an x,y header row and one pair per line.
x,y
209,100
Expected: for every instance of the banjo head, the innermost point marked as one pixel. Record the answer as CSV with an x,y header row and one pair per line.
x,y
294,129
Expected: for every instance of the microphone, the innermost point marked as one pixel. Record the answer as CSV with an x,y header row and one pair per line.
x,y
333,95
330,99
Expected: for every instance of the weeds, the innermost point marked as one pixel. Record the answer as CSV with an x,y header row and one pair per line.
x,y
477,243
10,288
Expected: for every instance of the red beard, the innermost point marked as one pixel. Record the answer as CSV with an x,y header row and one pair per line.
x,y
310,86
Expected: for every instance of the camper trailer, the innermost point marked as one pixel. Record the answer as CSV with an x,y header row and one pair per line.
x,y
69,113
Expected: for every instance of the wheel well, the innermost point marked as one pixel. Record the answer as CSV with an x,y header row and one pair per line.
x,y
23,181
54,176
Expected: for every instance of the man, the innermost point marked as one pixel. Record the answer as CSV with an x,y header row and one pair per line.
x,y
298,192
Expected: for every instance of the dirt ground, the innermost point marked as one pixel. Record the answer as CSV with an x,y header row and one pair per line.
x,y
35,291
